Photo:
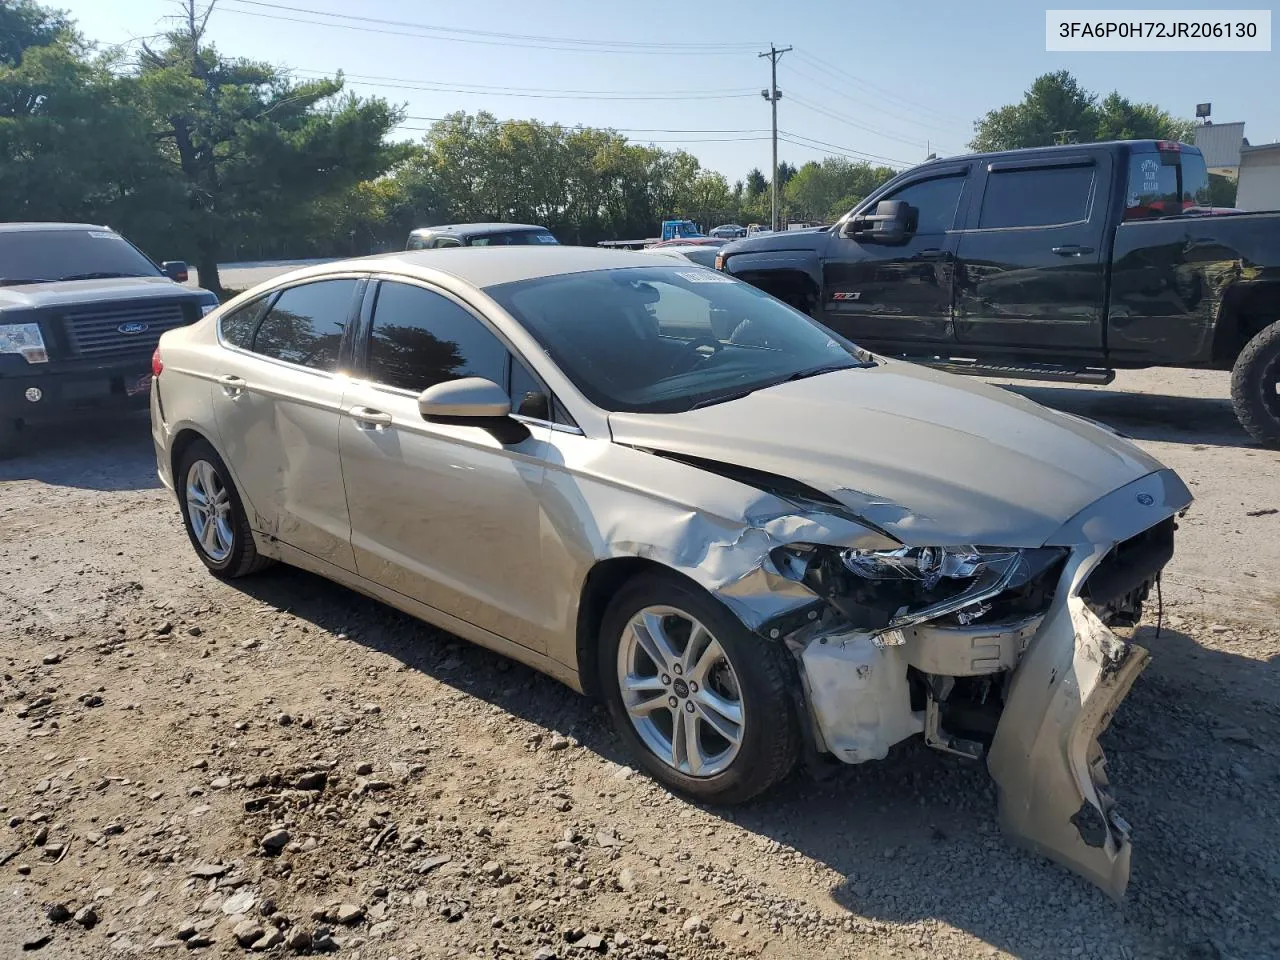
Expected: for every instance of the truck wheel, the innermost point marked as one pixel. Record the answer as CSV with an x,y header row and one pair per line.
x,y
1255,386
703,704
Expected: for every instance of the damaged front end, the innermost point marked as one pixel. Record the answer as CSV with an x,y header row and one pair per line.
x,y
1017,654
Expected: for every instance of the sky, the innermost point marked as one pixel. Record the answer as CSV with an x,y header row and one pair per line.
x,y
887,82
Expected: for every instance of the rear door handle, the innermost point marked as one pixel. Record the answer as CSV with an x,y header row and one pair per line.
x,y
367,415
1072,250
232,386
932,253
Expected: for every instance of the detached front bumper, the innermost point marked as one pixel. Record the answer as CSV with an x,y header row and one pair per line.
x,y
1064,674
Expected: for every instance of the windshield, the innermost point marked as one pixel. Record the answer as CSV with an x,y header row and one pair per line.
x,y
41,256
664,339
514,238
1164,183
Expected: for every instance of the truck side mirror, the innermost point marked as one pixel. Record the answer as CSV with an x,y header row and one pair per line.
x,y
893,222
175,270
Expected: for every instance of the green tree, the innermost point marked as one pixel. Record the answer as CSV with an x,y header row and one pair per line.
x,y
253,150
828,190
757,183
72,144
1057,109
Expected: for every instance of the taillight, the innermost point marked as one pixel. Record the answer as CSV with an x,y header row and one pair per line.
x,y
1172,146
156,365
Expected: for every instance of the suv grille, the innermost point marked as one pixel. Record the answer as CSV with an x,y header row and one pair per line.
x,y
121,329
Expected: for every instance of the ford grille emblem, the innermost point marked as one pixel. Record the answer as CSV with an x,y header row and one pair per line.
x,y
1146,499
133,327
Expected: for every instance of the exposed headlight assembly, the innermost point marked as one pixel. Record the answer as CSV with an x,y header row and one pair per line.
x,y
23,339
883,590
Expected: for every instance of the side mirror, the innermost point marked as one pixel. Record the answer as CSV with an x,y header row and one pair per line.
x,y
471,398
175,270
892,222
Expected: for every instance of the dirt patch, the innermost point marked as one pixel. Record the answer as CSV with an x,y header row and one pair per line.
x,y
285,767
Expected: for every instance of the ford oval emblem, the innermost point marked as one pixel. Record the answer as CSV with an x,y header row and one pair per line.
x,y
133,327
1146,499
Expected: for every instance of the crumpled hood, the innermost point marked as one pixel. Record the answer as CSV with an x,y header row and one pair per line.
x,y
931,458
69,293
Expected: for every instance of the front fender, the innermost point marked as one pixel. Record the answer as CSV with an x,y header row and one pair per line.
x,y
747,266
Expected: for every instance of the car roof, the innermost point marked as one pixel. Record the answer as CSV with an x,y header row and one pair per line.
x,y
470,229
35,225
482,267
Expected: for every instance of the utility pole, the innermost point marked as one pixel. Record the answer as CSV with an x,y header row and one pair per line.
x,y
1061,137
772,95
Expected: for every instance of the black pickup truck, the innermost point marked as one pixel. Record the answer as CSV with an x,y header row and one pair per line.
x,y
81,311
1056,263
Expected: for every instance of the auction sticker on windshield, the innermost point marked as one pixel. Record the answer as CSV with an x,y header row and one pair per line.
x,y
704,276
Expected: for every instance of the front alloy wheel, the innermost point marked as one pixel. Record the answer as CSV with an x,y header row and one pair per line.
x,y
680,691
704,704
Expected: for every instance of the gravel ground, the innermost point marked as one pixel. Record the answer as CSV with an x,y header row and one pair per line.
x,y
284,766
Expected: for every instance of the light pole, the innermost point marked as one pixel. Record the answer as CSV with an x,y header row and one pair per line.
x,y
773,94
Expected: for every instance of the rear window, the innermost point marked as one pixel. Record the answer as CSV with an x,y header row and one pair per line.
x,y
1037,197
41,256
1163,183
514,238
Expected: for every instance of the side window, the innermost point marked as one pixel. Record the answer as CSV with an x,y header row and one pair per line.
x,y
237,328
306,323
442,242
421,338
416,243
1037,197
936,200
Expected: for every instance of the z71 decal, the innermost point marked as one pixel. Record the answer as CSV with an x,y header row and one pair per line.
x,y
847,295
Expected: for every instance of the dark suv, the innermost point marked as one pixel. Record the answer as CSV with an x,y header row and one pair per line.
x,y
81,311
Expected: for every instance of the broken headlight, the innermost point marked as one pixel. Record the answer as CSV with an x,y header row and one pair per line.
x,y
889,589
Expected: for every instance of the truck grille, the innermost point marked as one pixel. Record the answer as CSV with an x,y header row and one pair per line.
x,y
121,329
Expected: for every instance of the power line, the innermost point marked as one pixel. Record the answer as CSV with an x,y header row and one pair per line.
x,y
848,121
862,103
677,140
847,151
606,128
485,37
403,83
867,85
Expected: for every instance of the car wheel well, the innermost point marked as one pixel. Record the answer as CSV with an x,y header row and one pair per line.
x,y
603,582
1247,310
793,287
181,442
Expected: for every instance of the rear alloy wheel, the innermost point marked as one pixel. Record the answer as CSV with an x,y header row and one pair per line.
x,y
213,514
703,702
1255,386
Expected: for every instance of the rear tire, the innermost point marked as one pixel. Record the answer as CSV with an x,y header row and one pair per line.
x,y
213,515
731,688
1255,386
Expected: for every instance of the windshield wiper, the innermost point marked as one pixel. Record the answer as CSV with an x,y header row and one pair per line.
x,y
101,275
726,397
818,371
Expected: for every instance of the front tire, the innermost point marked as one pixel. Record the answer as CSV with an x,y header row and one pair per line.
x,y
701,702
1255,386
213,514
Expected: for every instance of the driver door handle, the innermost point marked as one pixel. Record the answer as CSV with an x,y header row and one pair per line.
x,y
232,386
370,417
1072,250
